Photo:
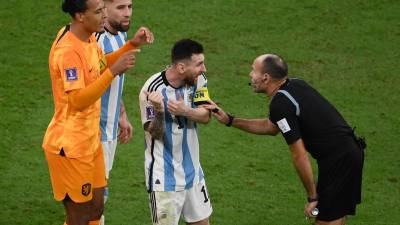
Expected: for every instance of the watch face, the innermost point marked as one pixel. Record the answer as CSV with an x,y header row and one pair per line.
x,y
315,212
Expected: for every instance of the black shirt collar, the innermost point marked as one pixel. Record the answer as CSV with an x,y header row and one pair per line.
x,y
164,77
105,28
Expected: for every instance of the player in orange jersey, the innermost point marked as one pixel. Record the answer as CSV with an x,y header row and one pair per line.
x,y
80,73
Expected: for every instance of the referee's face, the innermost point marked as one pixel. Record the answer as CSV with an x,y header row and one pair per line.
x,y
257,77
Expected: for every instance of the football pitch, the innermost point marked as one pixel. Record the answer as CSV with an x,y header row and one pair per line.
x,y
348,50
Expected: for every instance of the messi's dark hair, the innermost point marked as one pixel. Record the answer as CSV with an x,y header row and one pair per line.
x,y
184,49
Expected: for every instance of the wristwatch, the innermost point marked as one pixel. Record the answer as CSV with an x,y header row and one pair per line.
x,y
230,120
309,199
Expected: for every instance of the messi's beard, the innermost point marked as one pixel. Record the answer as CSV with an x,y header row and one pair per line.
x,y
190,81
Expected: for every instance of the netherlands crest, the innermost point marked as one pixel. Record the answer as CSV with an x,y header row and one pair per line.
x,y
86,189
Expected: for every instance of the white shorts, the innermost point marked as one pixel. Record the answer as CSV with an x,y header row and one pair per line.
x,y
167,207
109,148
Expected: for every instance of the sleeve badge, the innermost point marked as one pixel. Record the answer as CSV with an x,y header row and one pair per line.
x,y
71,74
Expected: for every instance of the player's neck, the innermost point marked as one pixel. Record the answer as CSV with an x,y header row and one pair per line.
x,y
79,31
271,91
173,77
110,29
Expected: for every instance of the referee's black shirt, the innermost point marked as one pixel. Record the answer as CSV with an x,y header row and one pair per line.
x,y
301,112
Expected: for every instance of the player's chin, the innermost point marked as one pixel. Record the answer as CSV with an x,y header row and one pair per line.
x,y
100,27
125,26
190,82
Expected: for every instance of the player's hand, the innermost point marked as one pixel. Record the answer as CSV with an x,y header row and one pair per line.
x,y
177,107
124,62
217,112
309,207
143,36
156,99
125,130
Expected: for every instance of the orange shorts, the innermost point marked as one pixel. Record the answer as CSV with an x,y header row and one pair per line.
x,y
76,177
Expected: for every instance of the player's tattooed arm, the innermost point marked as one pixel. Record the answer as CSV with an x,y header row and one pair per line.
x,y
156,127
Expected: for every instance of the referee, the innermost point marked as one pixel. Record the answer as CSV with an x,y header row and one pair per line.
x,y
309,123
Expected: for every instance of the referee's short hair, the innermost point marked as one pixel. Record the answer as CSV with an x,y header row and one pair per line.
x,y
275,66
184,49
74,6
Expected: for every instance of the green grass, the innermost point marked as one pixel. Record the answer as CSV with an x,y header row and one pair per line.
x,y
348,50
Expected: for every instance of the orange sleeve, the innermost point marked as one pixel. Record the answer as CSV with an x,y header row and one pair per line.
x,y
70,66
82,98
109,59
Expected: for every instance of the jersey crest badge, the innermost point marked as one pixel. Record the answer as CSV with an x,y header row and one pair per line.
x,y
86,189
71,74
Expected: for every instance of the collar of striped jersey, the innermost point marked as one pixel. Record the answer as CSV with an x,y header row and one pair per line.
x,y
106,29
164,77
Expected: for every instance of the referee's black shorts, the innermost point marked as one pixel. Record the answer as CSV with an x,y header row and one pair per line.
x,y
339,182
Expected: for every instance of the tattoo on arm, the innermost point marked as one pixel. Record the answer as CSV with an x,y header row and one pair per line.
x,y
156,127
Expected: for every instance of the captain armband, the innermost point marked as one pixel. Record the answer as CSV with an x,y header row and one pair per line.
x,y
201,96
103,63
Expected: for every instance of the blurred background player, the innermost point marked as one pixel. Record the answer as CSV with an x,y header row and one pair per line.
x,y
174,177
80,74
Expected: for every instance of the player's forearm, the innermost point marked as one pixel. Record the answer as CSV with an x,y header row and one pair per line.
x,y
122,112
112,57
82,98
123,119
254,126
198,115
156,127
304,170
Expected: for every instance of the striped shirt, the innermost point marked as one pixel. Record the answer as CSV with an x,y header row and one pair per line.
x,y
173,163
111,99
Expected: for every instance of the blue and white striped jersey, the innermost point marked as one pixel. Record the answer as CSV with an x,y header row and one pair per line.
x,y
173,163
111,99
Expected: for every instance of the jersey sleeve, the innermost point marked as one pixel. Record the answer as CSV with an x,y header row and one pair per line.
x,y
283,115
201,94
72,71
147,112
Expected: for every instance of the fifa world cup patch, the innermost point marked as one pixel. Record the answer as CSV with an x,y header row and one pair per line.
x,y
71,74
283,125
86,189
150,114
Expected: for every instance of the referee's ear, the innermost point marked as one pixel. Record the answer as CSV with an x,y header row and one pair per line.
x,y
266,77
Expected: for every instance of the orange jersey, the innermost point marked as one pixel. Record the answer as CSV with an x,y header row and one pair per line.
x,y
73,65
